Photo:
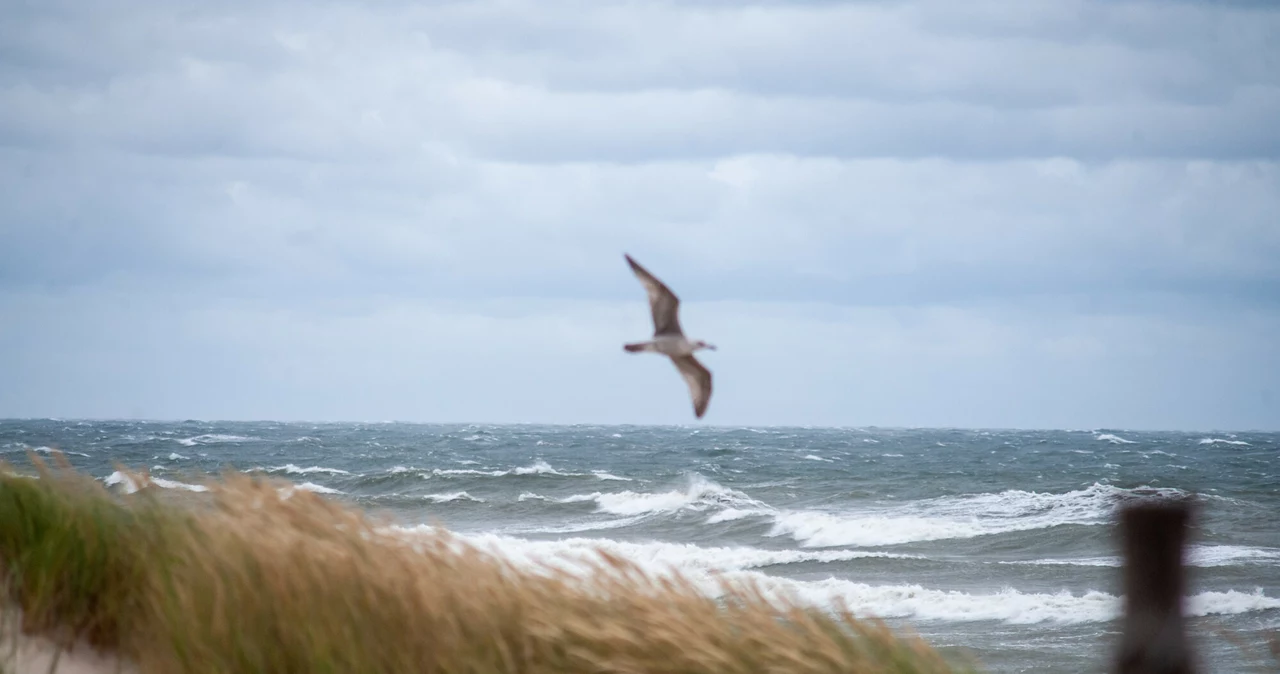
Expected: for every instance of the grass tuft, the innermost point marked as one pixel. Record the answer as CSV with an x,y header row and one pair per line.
x,y
267,578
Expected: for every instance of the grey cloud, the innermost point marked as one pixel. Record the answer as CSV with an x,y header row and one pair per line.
x,y
867,231
281,203
569,81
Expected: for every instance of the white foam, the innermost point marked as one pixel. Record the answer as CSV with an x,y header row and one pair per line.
x,y
699,494
213,438
1113,439
949,517
1197,555
293,469
1231,555
173,484
1084,561
530,496
1224,441
446,472
706,566
174,456
657,557
455,496
319,489
538,467
53,450
575,527
131,486
892,456
732,514
815,457
610,476
1230,602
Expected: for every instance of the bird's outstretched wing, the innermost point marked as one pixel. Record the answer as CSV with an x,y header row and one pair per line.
x,y
699,380
663,303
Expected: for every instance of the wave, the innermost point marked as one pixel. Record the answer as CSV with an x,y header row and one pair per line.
x,y
941,518
707,568
953,517
1113,439
455,496
51,450
131,486
1197,555
538,467
661,557
699,494
1223,441
293,469
174,456
214,438
319,489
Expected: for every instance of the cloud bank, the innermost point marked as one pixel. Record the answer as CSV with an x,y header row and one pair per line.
x,y
897,213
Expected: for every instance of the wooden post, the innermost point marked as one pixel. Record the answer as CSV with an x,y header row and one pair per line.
x,y
1154,640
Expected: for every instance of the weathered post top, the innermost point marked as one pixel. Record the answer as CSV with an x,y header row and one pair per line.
x,y
1154,641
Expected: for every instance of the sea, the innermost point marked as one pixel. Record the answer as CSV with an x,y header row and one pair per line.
x,y
995,545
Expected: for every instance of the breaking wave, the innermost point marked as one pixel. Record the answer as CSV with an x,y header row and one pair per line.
x,y
1113,439
952,517
213,439
699,494
295,470
707,567
131,486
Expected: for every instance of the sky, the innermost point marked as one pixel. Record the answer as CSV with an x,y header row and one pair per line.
x,y
1013,214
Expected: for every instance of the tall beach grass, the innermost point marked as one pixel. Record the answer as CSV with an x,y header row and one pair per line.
x,y
255,576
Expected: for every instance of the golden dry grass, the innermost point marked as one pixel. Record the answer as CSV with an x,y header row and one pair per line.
x,y
262,583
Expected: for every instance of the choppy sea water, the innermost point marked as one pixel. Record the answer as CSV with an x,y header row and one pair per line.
x,y
999,544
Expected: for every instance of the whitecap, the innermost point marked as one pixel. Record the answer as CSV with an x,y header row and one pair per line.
x,y
213,438
950,517
707,567
54,450
319,489
1223,441
698,494
131,486
293,469
1113,439
455,496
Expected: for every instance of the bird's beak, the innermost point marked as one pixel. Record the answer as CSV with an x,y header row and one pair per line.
x,y
711,346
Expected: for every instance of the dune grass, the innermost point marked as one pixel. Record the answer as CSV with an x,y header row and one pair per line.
x,y
264,578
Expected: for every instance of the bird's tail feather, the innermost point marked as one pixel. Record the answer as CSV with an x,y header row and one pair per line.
x,y
638,346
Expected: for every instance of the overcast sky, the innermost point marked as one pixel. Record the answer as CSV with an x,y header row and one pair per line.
x,y
1014,213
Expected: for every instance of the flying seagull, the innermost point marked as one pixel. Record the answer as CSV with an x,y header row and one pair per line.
x,y
669,340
